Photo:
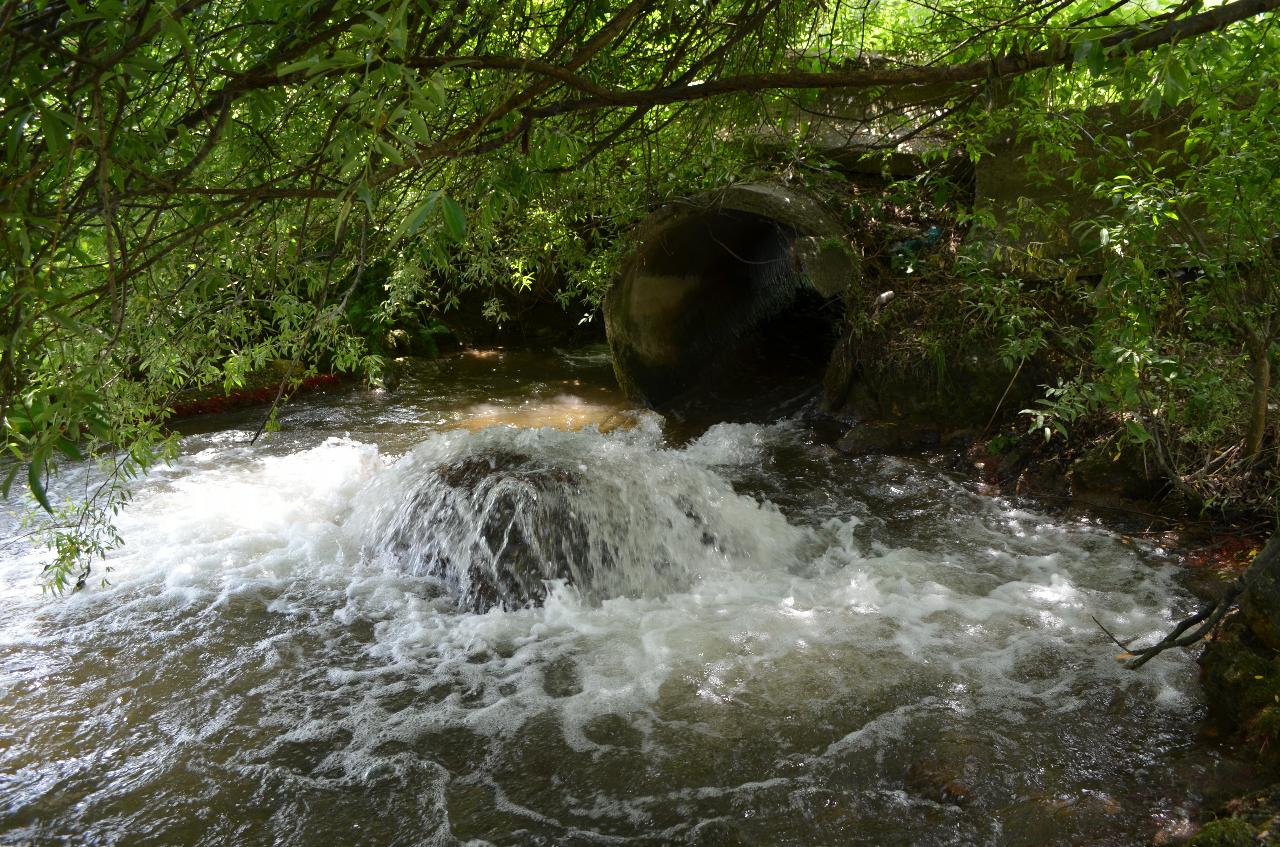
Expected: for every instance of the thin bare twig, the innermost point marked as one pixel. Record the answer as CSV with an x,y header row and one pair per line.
x,y
1209,614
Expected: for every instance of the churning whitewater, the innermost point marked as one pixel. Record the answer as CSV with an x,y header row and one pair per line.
x,y
519,636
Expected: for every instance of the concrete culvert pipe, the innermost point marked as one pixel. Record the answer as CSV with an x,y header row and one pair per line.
x,y
727,304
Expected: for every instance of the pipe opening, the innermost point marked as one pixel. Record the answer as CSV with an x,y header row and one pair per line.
x,y
713,316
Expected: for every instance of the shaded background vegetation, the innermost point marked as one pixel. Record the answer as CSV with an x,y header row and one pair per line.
x,y
191,191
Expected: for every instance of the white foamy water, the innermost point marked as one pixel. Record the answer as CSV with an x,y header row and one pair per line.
x,y
746,642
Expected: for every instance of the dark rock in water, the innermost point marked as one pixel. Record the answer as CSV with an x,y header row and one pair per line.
x,y
1241,681
613,730
887,437
561,679
1229,665
1240,667
495,527
499,519
940,780
877,437
471,471
1240,674
1172,830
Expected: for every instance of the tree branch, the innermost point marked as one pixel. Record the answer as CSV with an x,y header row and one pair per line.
x,y
1133,40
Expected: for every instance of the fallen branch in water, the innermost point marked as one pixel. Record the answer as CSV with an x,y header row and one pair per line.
x,y
1204,620
1207,616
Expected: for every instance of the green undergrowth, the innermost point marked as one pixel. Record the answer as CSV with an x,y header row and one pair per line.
x,y
1135,353
914,336
1226,832
1253,819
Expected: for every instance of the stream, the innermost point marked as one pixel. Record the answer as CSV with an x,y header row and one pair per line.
x,y
740,637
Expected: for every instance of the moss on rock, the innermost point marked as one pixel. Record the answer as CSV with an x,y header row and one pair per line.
x,y
1225,832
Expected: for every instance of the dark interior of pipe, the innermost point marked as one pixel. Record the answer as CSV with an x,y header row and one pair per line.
x,y
756,337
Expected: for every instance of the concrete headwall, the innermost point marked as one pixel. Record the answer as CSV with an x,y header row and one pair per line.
x,y
1037,200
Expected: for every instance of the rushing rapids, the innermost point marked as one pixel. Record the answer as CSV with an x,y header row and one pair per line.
x,y
497,517
392,626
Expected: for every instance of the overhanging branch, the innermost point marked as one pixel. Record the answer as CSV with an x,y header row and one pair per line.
x,y
1134,39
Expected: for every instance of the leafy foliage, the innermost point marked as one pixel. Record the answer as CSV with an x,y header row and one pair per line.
x,y
1171,312
192,190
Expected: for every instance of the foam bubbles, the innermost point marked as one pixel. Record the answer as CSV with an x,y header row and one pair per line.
x,y
721,634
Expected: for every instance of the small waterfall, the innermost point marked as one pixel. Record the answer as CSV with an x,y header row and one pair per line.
x,y
497,516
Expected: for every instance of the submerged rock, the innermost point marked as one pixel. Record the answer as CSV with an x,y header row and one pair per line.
x,y
495,527
717,833
940,780
498,525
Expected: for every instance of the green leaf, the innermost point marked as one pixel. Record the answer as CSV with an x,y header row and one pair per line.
x,y
19,422
420,125
455,220
300,65
1177,75
72,326
1151,103
9,477
390,152
343,213
69,449
172,27
399,37
1096,58
438,91
1137,432
98,428
34,471
414,221
409,77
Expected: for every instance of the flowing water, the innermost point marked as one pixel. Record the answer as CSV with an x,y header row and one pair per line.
x,y
742,639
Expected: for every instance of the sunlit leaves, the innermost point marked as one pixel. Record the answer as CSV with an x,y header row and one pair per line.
x,y
192,190
1184,303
